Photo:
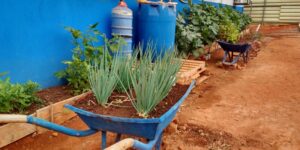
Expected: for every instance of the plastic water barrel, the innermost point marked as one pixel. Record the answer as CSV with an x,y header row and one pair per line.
x,y
125,50
122,26
239,8
156,26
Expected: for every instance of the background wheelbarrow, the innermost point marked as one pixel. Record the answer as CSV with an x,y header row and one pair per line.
x,y
230,49
150,129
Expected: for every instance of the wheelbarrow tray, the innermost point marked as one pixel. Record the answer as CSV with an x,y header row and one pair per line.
x,y
149,128
146,128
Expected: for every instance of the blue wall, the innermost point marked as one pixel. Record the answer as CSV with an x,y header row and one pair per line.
x,y
33,42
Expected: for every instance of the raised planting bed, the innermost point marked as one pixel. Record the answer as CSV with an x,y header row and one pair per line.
x,y
54,112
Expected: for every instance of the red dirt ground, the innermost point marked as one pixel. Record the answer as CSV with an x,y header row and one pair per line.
x,y
253,108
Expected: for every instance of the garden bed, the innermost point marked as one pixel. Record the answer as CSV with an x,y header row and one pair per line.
x,y
54,112
122,107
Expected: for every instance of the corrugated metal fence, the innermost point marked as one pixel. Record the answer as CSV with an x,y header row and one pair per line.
x,y
277,11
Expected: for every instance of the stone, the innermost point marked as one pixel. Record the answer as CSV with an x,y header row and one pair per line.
x,y
172,128
55,134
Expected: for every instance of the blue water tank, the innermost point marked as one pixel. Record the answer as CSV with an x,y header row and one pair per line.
x,y
122,26
125,50
156,25
239,8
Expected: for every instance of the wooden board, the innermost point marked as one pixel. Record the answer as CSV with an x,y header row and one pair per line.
x,y
56,113
201,79
12,132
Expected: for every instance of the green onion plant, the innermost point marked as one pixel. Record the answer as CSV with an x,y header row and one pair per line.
x,y
103,78
125,65
152,81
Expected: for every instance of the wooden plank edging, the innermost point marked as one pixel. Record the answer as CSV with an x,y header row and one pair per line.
x,y
56,113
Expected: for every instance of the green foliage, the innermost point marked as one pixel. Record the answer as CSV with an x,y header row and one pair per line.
x,y
196,27
103,79
240,20
228,32
202,24
17,96
188,38
88,47
245,21
125,65
2,74
152,81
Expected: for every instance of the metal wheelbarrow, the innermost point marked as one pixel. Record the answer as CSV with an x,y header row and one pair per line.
x,y
150,129
230,49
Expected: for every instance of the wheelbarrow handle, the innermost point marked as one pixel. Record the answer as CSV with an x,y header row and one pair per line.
x,y
8,118
122,145
5,118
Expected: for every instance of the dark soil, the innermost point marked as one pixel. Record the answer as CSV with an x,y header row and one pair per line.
x,y
55,94
120,106
50,96
47,96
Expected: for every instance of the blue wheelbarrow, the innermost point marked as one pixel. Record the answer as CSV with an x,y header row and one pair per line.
x,y
230,49
150,129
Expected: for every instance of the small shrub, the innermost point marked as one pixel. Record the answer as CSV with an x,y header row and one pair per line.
x,y
88,47
245,21
240,20
228,32
17,96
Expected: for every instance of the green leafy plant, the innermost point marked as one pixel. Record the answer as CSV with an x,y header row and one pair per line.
x,y
88,47
238,19
245,21
152,81
103,79
17,96
202,24
228,32
196,26
2,74
188,38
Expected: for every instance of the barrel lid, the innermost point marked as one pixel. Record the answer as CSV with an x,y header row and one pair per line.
x,y
122,3
157,3
122,9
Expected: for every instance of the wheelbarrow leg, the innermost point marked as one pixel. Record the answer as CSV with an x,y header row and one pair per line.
x,y
103,136
118,138
158,143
